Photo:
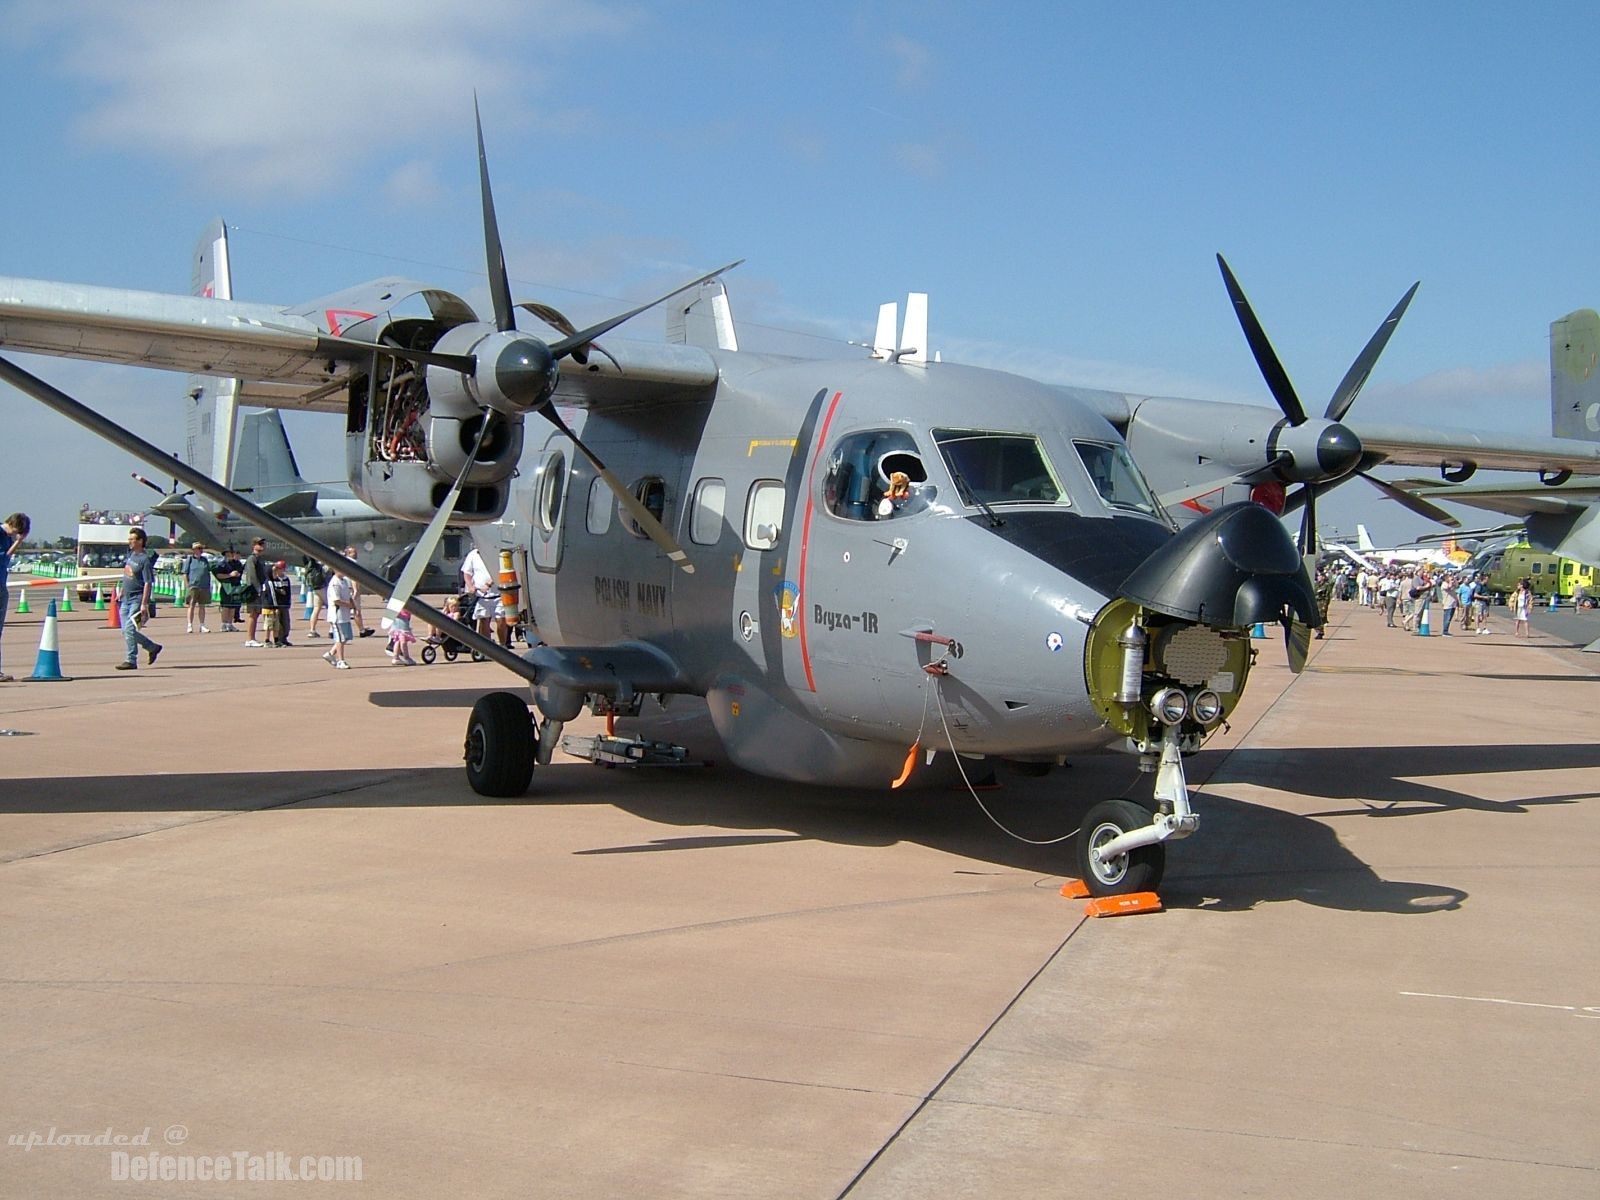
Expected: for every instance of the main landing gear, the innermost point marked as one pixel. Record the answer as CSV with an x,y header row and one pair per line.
x,y
501,745
1122,845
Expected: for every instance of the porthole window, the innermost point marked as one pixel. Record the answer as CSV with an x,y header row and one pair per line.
x,y
552,487
598,519
651,492
710,502
763,515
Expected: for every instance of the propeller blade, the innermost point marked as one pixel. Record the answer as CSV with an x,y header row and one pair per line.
x,y
558,321
1296,643
1350,386
572,341
154,487
1266,358
641,515
505,317
422,552
1415,503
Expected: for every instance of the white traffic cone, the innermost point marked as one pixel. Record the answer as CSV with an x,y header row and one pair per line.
x,y
47,667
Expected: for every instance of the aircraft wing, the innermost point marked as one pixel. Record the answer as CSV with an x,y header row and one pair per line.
x,y
1429,446
1519,499
284,358
196,335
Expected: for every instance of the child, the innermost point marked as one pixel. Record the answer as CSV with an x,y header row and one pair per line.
x,y
401,639
275,602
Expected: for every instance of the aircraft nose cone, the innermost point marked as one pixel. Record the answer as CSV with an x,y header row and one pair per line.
x,y
1338,450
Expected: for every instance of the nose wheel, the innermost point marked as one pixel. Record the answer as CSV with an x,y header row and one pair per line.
x,y
1117,874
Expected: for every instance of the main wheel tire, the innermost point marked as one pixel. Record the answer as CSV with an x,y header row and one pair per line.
x,y
430,655
500,745
1138,870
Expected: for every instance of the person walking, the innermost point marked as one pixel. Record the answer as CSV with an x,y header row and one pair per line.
x,y
341,592
12,534
197,578
138,582
357,621
1448,599
316,581
1521,606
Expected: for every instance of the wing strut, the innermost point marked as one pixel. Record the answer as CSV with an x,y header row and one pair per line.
x,y
165,463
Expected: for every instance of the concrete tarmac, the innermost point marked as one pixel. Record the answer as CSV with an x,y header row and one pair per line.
x,y
251,906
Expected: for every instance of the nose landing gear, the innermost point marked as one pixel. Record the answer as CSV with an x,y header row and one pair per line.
x,y
1122,846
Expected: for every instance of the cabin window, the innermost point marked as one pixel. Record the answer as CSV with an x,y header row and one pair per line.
x,y
598,519
1566,568
552,486
651,491
763,514
710,503
1115,477
999,468
1538,568
861,468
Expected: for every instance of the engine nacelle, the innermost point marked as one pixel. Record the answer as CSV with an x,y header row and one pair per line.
x,y
412,431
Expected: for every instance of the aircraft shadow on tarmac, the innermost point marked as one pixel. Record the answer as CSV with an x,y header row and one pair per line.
x,y
1246,853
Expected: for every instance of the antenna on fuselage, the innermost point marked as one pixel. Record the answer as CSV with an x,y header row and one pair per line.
x,y
912,344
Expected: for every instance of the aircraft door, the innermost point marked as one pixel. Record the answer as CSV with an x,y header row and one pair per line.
x,y
549,494
860,589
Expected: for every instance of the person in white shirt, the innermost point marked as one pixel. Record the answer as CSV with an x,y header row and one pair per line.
x,y
341,600
477,579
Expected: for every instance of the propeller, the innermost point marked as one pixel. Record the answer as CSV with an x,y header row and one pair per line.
x,y
172,525
515,373
1319,454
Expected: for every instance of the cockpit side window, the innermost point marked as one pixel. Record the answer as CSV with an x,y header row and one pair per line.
x,y
999,468
1115,477
875,475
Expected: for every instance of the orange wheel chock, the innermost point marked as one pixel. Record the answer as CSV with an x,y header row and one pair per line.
x,y
1120,906
1075,889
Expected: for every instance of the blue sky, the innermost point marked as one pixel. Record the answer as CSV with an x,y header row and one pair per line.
x,y
1057,176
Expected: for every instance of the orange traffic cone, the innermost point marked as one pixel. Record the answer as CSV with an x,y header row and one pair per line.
x,y
114,613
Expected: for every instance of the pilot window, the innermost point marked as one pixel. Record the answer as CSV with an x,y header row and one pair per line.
x,y
651,492
875,475
763,514
598,519
998,468
1115,477
710,501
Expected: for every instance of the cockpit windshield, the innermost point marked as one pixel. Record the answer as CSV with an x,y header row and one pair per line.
x,y
1116,478
999,468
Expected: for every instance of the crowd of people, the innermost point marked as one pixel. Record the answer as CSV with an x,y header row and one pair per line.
x,y
256,596
1413,595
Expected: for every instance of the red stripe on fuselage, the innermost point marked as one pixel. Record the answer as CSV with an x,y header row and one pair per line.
x,y
805,540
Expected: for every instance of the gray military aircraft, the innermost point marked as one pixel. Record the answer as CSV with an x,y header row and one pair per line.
x,y
873,571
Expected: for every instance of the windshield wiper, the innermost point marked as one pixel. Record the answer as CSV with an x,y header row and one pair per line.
x,y
968,496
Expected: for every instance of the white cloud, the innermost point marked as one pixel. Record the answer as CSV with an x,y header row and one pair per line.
x,y
913,60
294,96
413,184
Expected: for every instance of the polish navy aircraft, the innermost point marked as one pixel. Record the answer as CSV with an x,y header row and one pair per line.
x,y
873,570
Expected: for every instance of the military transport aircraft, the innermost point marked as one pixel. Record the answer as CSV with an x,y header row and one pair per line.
x,y
872,570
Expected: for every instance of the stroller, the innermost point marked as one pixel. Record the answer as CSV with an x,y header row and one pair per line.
x,y
440,640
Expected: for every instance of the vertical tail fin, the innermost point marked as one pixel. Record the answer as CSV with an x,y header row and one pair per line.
x,y
1363,539
211,406
1574,377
